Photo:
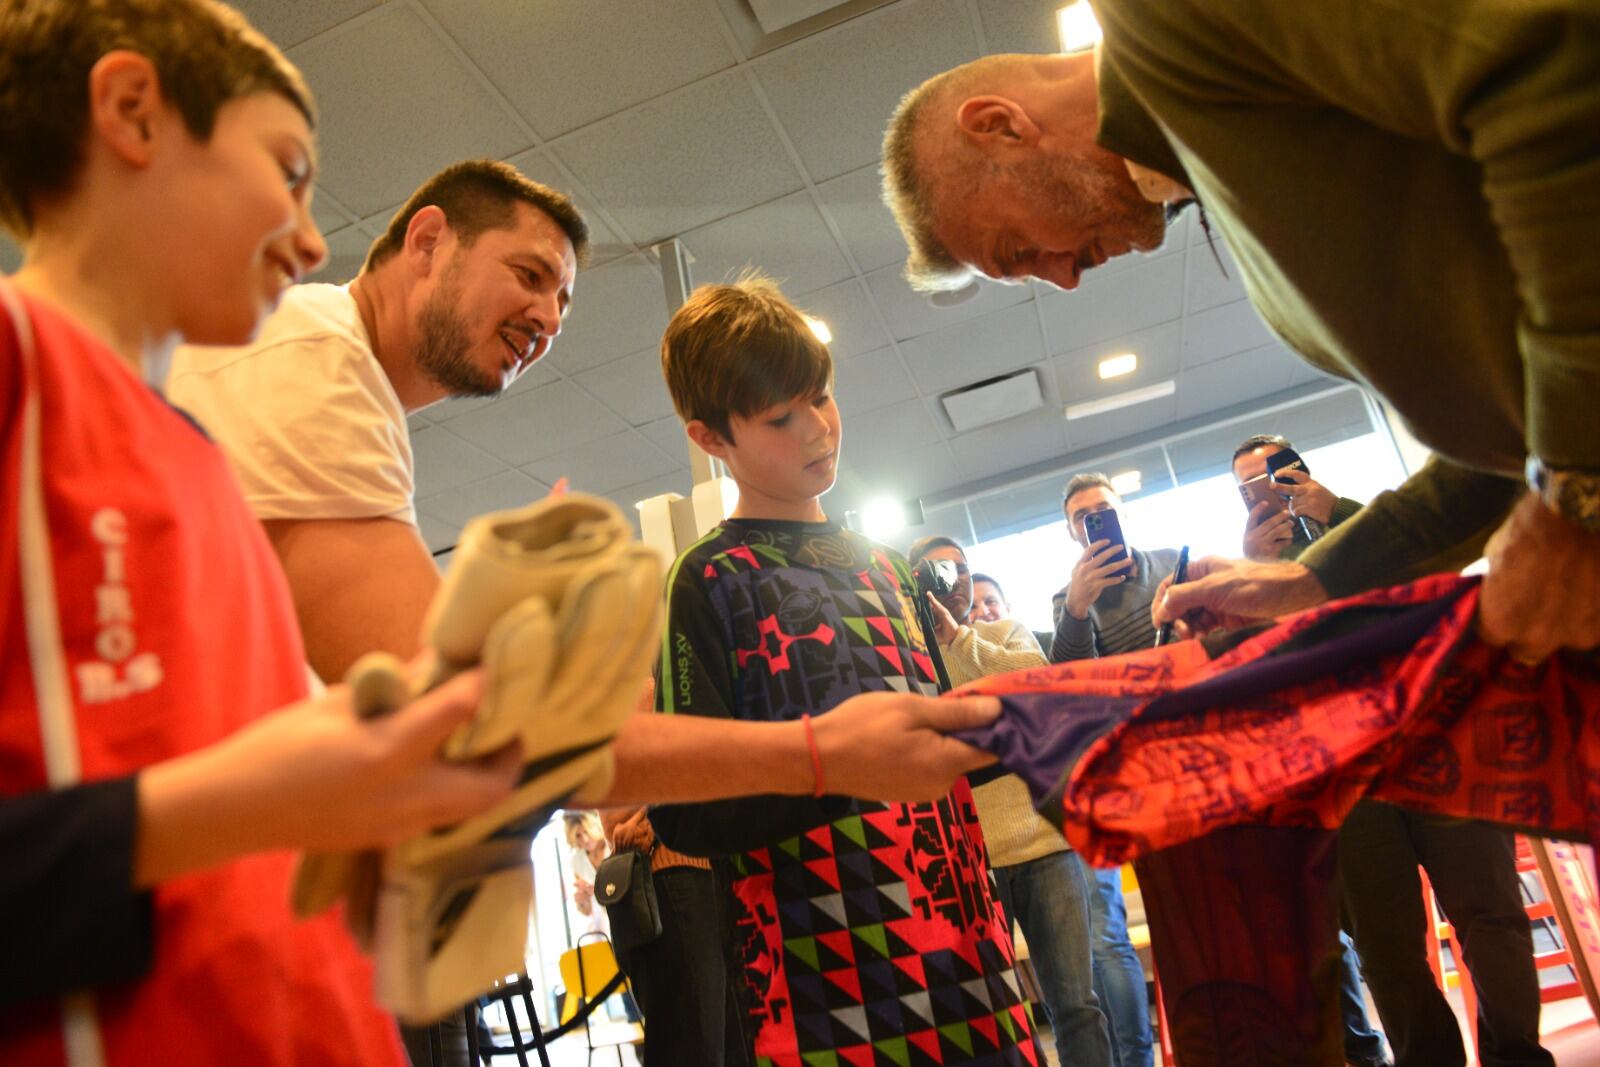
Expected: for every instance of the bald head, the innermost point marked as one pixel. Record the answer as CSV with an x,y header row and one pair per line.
x,y
925,160
992,168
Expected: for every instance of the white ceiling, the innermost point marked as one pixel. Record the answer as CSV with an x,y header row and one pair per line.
x,y
653,116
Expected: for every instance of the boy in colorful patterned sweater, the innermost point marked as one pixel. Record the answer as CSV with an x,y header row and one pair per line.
x,y
866,933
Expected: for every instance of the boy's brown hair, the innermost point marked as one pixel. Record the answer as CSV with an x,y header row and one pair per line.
x,y
478,195
205,54
738,349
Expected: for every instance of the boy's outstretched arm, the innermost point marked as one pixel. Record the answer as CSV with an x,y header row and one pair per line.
x,y
876,746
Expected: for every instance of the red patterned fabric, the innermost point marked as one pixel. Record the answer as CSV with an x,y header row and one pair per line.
x,y
1387,695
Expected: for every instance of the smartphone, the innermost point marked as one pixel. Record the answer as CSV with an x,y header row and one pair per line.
x,y
1105,526
1286,460
1259,489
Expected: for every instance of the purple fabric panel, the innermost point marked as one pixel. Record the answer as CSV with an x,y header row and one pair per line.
x,y
1039,736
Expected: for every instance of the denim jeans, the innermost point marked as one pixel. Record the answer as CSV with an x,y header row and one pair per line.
x,y
1362,1044
1049,898
1118,977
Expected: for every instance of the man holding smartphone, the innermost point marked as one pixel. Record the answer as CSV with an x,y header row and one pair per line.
x,y
1271,532
1108,601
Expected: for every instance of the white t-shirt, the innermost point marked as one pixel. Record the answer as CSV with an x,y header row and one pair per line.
x,y
308,420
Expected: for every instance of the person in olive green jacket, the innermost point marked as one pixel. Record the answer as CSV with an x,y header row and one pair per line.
x,y
1409,192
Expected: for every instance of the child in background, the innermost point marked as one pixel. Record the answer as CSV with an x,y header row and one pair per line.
x,y
866,931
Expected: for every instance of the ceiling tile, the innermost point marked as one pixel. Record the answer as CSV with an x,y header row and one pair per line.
x,y
834,92
871,381
672,482
904,475
668,165
910,314
1151,463
566,65
971,351
1234,379
390,90
849,315
604,465
288,22
416,420
631,386
347,250
508,489
538,423
1222,331
1125,422
1077,373
888,430
856,204
1020,25
1111,305
604,242
616,309
328,217
1305,372
1006,446
1208,285
786,240
668,435
445,461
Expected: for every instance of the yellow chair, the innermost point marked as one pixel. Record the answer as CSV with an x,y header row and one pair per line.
x,y
591,974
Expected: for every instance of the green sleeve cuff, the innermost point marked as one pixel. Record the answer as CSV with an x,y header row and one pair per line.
x,y
1563,390
1437,521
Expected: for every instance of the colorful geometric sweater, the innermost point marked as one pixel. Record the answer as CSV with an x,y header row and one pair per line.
x,y
866,933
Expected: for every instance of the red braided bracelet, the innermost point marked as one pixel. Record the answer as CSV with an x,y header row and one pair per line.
x,y
816,757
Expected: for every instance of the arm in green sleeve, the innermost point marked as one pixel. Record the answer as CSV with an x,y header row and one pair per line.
x,y
1437,521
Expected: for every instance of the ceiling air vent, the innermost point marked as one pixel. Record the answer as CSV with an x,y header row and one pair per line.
x,y
762,25
993,400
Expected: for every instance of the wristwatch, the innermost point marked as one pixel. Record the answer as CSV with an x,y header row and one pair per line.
x,y
1572,494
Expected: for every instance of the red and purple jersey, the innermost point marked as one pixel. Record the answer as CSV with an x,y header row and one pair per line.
x,y
868,933
1388,695
152,621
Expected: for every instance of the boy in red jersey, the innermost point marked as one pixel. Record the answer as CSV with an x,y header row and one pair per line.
x,y
157,166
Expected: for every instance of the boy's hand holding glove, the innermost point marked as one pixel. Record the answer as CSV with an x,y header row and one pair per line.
x,y
562,608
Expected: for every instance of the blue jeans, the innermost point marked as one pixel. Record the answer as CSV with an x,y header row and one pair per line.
x,y
1361,1043
1118,977
1049,898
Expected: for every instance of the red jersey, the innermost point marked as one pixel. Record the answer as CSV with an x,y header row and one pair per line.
x,y
145,617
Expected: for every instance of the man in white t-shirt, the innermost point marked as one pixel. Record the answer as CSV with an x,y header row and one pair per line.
x,y
466,289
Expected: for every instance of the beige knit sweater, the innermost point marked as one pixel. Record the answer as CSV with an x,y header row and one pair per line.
x,y
1014,832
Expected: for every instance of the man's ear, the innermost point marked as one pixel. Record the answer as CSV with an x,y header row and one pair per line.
x,y
126,109
709,441
425,237
996,122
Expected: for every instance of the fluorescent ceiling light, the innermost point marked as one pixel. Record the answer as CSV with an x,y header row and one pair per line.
x,y
883,518
820,328
1078,27
1122,400
1127,483
1118,365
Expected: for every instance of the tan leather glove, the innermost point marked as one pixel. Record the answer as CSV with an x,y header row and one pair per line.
x,y
562,608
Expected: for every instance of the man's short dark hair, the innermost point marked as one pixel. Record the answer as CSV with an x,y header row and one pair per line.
x,y
1086,480
980,577
1260,440
923,545
204,53
479,195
